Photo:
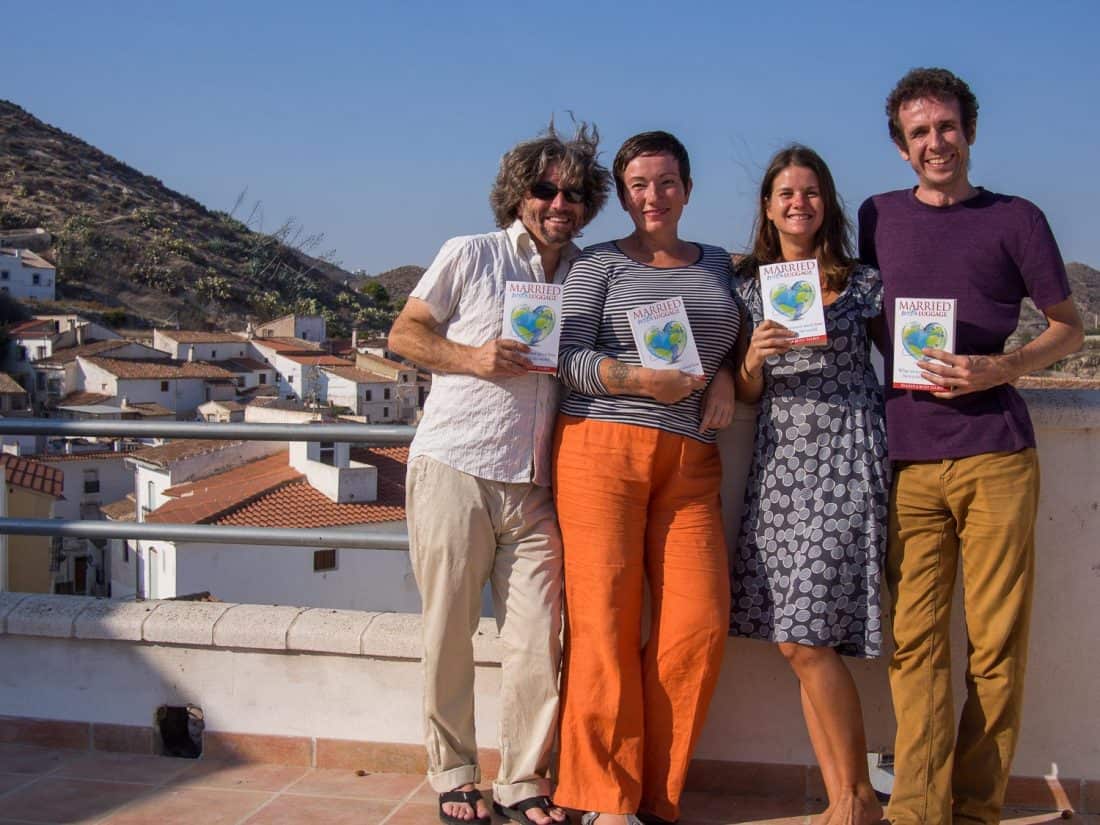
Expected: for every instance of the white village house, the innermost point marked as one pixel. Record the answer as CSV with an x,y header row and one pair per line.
x,y
27,276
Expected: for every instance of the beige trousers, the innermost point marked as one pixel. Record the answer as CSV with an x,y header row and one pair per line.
x,y
463,532
977,514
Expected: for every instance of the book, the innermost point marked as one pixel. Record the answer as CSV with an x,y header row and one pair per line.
x,y
920,323
663,336
791,293
532,314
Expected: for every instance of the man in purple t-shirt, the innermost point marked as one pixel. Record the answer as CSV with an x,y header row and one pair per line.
x,y
966,476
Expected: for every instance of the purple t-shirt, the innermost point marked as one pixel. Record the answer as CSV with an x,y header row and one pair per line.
x,y
988,253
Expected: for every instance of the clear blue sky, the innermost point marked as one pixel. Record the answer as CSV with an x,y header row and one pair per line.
x,y
381,124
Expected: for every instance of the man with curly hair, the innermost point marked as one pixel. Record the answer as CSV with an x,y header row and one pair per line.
x,y
479,503
966,476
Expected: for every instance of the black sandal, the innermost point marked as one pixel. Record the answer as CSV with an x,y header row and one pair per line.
x,y
471,798
518,812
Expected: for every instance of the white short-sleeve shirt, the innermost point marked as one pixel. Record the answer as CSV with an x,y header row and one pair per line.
x,y
498,429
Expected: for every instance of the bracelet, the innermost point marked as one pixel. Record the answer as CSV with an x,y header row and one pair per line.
x,y
747,373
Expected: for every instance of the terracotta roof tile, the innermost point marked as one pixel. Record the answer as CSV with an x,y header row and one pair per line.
x,y
32,475
270,493
34,328
200,502
97,455
122,510
165,454
9,385
244,365
385,362
82,398
359,376
286,345
159,368
187,336
69,354
319,359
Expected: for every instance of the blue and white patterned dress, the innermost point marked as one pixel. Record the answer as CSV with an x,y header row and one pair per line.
x,y
808,564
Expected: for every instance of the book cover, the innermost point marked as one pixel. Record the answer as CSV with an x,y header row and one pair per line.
x,y
663,336
532,314
791,292
920,323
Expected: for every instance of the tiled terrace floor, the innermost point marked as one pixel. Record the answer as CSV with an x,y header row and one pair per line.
x,y
55,786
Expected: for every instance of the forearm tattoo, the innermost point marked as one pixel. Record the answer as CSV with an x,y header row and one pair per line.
x,y
622,376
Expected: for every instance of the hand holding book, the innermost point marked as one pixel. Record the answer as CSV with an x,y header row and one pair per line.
x,y
963,374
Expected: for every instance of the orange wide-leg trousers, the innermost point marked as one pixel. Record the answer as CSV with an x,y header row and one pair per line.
x,y
637,505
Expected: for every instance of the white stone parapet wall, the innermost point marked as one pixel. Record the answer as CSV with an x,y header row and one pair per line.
x,y
352,675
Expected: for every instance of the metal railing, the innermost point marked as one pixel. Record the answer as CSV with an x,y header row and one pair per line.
x,y
349,537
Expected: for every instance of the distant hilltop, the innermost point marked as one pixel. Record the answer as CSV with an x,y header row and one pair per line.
x,y
124,242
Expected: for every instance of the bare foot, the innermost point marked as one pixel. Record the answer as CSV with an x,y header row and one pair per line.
x,y
549,816
462,810
823,817
856,809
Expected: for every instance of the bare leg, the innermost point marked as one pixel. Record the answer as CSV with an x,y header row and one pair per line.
x,y
833,697
825,757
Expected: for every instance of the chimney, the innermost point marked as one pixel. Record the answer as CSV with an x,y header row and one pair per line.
x,y
355,340
191,352
124,403
79,334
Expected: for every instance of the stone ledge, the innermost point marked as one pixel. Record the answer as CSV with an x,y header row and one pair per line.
x,y
184,623
40,615
115,620
225,625
8,603
255,626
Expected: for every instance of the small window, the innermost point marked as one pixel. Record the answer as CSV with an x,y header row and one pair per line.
x,y
4,275
91,481
324,560
385,412
368,396
404,379
328,453
36,279
125,553
164,386
39,353
386,394
263,378
213,355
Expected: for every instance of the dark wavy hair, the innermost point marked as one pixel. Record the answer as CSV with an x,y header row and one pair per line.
x,y
650,143
525,164
935,83
833,244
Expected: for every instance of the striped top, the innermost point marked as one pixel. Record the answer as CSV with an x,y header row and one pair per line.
x,y
602,286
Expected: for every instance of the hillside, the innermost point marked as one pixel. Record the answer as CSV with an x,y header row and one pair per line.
x,y
121,239
1085,283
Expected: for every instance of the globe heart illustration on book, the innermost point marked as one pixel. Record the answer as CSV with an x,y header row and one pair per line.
x,y
532,325
792,300
667,342
915,338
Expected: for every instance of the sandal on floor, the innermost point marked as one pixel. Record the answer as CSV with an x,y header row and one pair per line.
x,y
518,812
471,798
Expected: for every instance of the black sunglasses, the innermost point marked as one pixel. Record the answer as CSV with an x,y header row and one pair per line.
x,y
546,191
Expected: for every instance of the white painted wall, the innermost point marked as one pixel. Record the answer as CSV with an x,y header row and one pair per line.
x,y
21,280
362,580
213,351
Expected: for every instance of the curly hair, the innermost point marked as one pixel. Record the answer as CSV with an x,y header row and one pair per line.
x,y
650,143
833,244
525,164
935,83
